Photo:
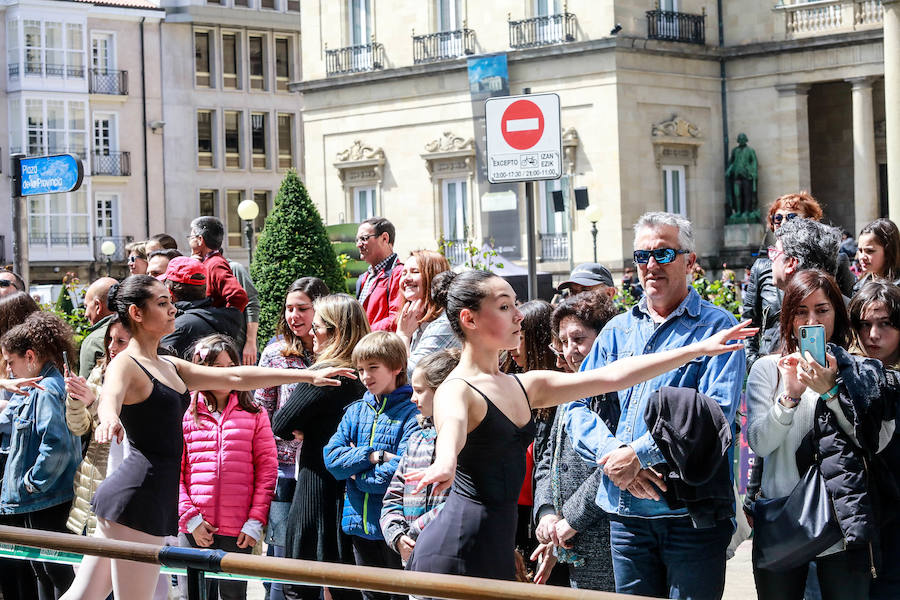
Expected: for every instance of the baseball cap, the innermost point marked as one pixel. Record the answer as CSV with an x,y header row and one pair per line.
x,y
588,274
183,269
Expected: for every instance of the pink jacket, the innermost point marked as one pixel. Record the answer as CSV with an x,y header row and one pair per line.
x,y
228,468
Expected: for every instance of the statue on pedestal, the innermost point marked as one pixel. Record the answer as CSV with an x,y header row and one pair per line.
x,y
742,174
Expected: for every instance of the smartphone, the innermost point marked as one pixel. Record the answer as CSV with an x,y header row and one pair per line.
x,y
812,340
65,363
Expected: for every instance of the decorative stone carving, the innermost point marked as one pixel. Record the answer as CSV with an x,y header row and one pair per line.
x,y
360,163
449,155
675,142
449,143
675,127
570,143
358,151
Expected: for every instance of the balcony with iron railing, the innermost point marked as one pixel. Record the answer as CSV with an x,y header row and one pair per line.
x,y
59,239
443,45
107,81
108,162
542,31
51,70
354,59
554,246
823,17
13,70
119,240
676,26
456,251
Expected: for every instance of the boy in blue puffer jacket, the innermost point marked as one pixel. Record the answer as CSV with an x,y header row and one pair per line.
x,y
368,444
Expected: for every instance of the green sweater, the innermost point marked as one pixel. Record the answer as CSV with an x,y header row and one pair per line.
x,y
92,347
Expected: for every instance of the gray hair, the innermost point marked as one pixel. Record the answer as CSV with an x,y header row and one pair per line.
x,y
814,245
655,220
211,229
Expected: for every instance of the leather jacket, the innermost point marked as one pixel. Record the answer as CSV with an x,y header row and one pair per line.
x,y
762,305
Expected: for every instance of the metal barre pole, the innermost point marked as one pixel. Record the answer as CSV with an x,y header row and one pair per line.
x,y
453,587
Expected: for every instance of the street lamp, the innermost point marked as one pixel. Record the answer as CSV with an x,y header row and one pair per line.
x,y
594,213
108,248
248,210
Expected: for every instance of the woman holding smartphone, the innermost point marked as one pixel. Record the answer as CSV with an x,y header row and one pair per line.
x,y
783,392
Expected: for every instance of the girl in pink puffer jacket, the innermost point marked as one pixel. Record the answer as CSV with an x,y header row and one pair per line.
x,y
228,468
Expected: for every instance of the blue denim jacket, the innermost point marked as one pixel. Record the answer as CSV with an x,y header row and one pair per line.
x,y
43,452
635,333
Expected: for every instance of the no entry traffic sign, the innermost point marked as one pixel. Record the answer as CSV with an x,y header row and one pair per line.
x,y
523,138
522,124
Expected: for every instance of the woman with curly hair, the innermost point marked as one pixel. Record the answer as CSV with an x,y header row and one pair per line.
x,y
571,528
43,453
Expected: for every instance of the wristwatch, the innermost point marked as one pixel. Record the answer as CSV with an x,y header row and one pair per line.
x,y
788,402
379,457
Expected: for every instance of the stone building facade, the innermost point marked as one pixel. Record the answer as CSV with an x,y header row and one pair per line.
x,y
652,102
83,78
232,127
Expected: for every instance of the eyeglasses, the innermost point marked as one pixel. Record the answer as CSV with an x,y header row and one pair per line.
x,y
362,239
774,253
5,283
317,328
777,218
556,353
661,255
133,258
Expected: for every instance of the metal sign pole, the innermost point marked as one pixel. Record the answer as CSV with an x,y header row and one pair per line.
x,y
530,235
20,220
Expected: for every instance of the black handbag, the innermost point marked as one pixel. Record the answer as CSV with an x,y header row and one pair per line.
x,y
791,531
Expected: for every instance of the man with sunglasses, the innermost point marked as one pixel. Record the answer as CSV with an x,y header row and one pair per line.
x,y
10,283
656,549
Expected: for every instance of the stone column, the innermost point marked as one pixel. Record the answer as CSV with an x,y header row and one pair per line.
x,y
892,102
865,181
792,168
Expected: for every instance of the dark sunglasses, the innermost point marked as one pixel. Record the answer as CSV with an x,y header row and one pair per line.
x,y
778,218
661,255
5,283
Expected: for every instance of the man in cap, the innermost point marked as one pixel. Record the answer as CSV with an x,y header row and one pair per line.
x,y
589,276
197,317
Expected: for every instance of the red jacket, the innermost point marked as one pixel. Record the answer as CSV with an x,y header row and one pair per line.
x,y
221,284
384,301
228,468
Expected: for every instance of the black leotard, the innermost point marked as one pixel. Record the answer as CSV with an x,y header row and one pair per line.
x,y
143,492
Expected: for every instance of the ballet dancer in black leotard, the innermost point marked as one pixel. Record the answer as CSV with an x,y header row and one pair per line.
x,y
139,502
483,417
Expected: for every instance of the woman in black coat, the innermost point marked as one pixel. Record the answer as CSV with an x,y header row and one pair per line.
x,y
312,415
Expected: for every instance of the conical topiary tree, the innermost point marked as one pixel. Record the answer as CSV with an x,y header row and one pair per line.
x,y
293,244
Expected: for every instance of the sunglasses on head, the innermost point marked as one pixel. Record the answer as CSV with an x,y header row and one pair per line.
x,y
778,217
661,255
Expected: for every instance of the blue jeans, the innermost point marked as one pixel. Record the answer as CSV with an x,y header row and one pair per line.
x,y
668,558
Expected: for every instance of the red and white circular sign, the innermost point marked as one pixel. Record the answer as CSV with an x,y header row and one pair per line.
x,y
522,124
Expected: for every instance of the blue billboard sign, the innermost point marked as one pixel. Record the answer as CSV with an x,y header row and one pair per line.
x,y
53,174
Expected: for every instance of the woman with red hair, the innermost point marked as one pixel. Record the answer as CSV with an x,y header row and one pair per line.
x,y
762,300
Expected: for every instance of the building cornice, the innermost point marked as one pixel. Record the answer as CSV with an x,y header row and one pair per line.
x,y
233,17
621,43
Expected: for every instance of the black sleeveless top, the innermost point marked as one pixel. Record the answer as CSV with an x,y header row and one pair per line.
x,y
491,466
143,492
474,534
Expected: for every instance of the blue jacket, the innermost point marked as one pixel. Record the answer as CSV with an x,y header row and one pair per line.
x,y
368,425
43,452
634,333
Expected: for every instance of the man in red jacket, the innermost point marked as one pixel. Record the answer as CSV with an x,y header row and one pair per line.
x,y
378,289
205,240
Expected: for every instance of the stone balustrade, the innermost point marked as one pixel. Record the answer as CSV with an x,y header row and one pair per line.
x,y
823,17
